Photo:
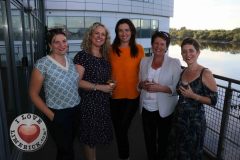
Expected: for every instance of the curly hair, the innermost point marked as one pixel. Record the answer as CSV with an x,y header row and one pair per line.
x,y
86,44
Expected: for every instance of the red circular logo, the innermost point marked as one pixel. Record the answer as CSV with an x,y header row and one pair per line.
x,y
28,132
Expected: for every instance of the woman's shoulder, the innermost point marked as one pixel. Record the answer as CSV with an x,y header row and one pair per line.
x,y
206,73
81,54
208,79
80,57
139,45
146,60
140,50
173,60
42,60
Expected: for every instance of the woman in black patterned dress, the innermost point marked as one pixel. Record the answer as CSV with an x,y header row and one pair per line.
x,y
187,135
94,69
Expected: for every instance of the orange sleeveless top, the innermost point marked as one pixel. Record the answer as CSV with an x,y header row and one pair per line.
x,y
125,72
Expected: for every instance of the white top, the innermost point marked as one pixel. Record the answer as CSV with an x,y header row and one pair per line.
x,y
150,102
168,75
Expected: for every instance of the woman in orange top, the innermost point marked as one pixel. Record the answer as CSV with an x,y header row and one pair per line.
x,y
125,58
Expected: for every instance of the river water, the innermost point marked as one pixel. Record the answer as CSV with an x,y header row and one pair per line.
x,y
223,63
219,61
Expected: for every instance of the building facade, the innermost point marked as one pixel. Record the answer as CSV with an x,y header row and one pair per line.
x,y
77,16
22,32
21,23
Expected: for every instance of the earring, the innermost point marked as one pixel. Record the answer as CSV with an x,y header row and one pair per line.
x,y
50,50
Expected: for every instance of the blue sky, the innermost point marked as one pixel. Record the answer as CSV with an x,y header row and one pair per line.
x,y
206,14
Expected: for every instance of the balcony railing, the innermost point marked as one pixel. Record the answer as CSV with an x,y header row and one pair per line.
x,y
222,140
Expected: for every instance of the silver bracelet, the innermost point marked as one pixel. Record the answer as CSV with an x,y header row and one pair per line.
x,y
94,88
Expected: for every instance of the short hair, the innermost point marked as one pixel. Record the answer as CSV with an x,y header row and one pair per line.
x,y
163,35
191,41
53,32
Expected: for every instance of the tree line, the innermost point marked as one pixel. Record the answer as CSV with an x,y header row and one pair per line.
x,y
218,36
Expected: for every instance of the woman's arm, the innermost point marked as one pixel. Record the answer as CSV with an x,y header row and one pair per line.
x,y
209,81
35,86
92,86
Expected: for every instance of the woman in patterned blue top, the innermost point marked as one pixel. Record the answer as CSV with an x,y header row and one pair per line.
x,y
189,125
94,69
60,79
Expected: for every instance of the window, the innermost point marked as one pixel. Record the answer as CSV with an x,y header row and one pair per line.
x,y
154,26
145,27
56,22
90,20
150,1
137,24
75,25
145,31
1,28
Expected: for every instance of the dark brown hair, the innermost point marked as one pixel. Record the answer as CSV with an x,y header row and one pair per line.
x,y
191,41
132,42
164,35
51,33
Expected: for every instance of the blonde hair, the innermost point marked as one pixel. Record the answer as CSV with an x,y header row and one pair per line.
x,y
86,44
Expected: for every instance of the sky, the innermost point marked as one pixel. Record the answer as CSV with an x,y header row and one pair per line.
x,y
206,14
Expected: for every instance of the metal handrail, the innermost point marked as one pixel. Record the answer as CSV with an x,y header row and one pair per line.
x,y
226,121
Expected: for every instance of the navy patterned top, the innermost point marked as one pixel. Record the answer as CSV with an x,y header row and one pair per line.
x,y
95,119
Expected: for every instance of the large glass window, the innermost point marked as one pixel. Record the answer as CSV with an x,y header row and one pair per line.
x,y
1,28
145,27
154,26
56,21
150,1
90,20
137,24
75,25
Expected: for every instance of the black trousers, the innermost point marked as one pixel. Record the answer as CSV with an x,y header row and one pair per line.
x,y
156,131
123,111
63,129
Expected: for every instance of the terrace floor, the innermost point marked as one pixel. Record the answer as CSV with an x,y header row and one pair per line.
x,y
137,147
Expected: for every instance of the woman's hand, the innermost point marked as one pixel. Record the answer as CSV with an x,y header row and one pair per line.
x,y
107,88
149,86
187,92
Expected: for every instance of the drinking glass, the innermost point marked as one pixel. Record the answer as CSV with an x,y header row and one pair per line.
x,y
111,82
149,82
184,84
